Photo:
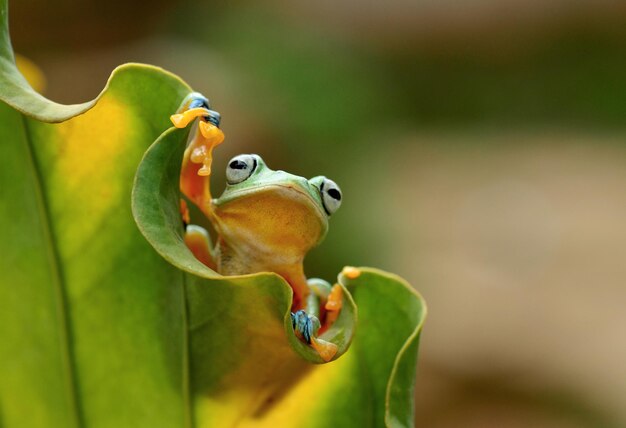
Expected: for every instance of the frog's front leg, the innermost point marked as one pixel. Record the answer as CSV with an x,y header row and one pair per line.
x,y
323,302
197,239
196,170
197,160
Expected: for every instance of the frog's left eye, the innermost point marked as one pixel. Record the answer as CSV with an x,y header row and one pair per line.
x,y
331,196
240,168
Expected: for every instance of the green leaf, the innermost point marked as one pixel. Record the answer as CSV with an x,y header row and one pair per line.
x,y
16,91
90,316
98,329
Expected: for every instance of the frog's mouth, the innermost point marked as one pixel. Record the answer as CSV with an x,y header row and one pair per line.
x,y
283,191
273,218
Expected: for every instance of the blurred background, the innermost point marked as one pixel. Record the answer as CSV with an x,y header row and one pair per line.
x,y
480,149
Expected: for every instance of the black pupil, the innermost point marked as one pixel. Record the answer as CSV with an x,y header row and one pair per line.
x,y
237,164
335,194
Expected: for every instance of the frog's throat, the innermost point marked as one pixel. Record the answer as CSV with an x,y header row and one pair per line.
x,y
238,261
289,225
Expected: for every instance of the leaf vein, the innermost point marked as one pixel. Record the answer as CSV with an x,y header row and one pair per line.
x,y
186,356
57,280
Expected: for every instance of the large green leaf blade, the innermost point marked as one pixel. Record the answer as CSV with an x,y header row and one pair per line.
x,y
391,316
93,318
34,366
18,93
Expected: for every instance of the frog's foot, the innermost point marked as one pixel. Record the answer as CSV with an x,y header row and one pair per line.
x,y
335,299
181,120
351,272
327,350
324,301
306,327
195,105
333,305
199,151
201,148
210,135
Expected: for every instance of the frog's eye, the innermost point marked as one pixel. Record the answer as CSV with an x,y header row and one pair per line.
x,y
240,168
331,196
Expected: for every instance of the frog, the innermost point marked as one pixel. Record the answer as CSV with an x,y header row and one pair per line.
x,y
264,221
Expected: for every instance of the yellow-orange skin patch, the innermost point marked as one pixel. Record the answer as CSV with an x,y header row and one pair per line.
x,y
197,244
327,350
333,306
184,211
181,120
335,299
201,148
278,217
269,229
351,272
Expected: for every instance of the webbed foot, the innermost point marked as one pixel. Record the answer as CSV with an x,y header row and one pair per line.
x,y
327,350
306,327
195,105
199,151
333,305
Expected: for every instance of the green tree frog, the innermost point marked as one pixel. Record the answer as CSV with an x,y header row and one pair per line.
x,y
265,220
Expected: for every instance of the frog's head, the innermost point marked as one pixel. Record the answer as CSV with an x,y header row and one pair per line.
x,y
273,212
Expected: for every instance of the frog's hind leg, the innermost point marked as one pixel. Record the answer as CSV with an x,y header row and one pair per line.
x,y
306,323
306,327
325,300
333,305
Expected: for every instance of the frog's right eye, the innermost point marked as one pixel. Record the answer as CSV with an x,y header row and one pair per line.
x,y
331,195
240,168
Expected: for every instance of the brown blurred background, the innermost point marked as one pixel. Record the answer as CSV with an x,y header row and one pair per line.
x,y
480,146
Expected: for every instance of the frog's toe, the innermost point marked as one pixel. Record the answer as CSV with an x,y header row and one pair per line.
x,y
327,350
196,99
198,241
335,299
181,120
194,106
306,327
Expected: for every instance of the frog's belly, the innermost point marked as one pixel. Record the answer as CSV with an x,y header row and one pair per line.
x,y
239,261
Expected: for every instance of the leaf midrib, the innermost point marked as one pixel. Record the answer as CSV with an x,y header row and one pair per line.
x,y
58,282
188,413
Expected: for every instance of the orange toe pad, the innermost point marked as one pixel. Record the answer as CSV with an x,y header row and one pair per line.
x,y
327,350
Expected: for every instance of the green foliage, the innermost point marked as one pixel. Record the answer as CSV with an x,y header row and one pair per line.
x,y
98,329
